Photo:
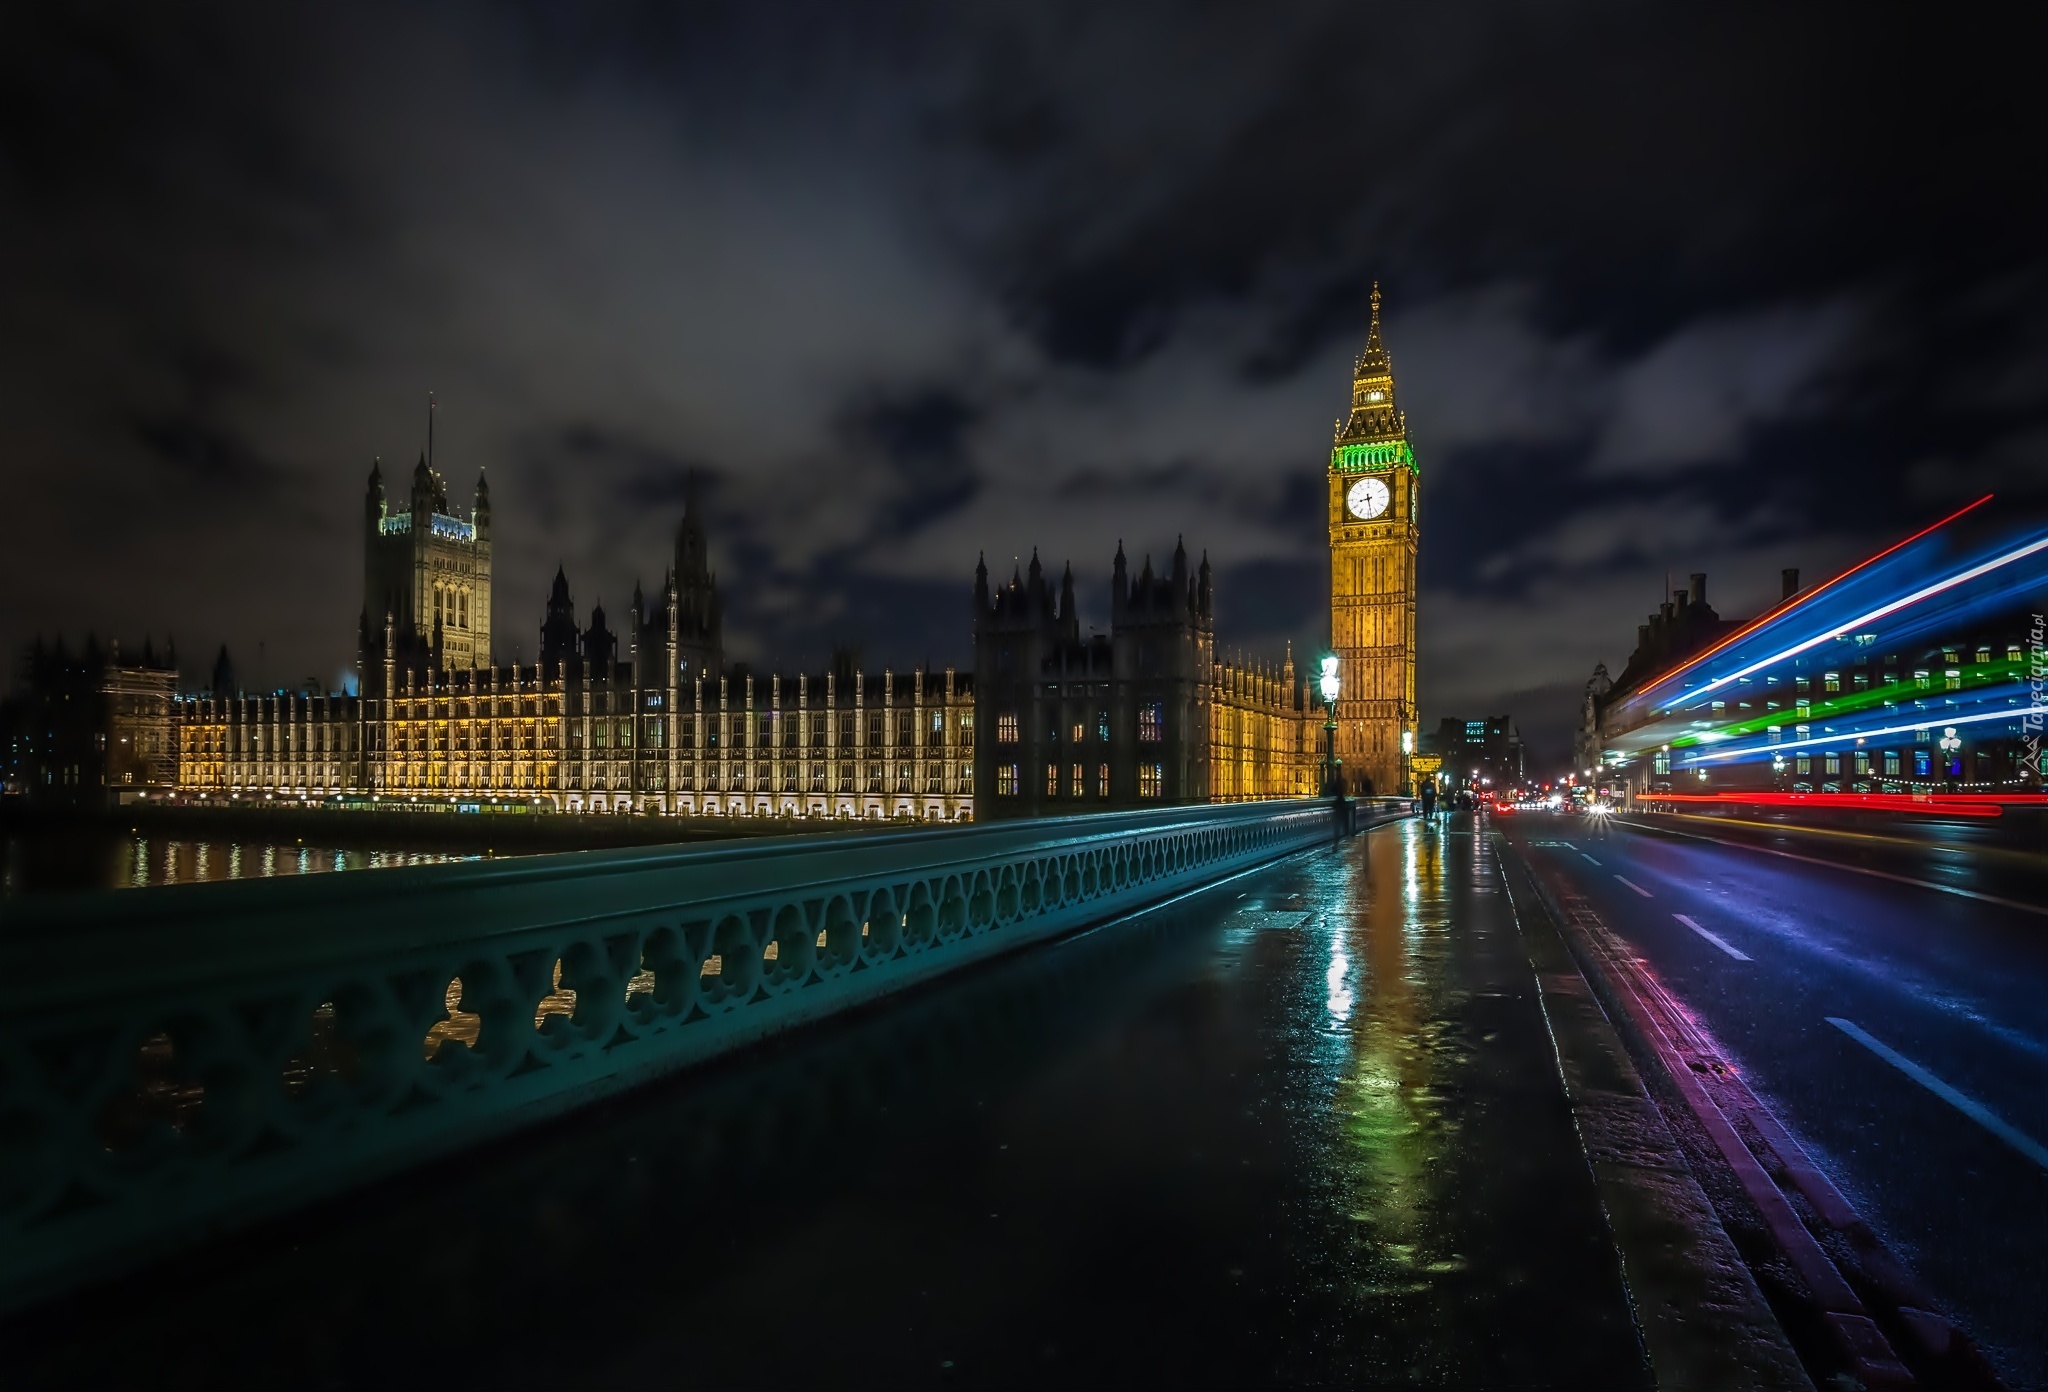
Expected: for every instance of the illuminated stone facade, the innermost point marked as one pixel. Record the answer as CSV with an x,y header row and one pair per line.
x,y
1265,733
665,727
1140,716
427,574
1374,516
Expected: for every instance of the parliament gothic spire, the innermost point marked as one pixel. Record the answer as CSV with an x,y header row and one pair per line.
x,y
1374,494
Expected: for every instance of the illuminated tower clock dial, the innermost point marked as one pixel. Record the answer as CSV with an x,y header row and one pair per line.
x,y
1368,498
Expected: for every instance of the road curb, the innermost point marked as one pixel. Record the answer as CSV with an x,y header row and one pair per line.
x,y
1855,1294
1703,1321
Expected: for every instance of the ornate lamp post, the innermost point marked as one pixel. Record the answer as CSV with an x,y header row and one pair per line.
x,y
1407,753
1328,684
1951,750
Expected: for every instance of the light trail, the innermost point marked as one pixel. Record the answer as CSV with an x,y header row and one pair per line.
x,y
1821,742
1799,600
1883,611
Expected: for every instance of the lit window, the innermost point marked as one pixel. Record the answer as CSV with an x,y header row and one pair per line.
x,y
1831,681
1006,728
1150,780
1803,765
1983,656
1052,780
1077,786
2012,652
1834,764
1080,732
1151,722
1952,679
1006,780
1102,780
1922,680
1891,763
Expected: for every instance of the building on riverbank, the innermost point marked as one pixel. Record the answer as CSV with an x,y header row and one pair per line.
x,y
89,728
1142,715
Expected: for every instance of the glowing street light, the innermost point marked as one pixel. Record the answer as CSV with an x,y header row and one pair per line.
x,y
1327,683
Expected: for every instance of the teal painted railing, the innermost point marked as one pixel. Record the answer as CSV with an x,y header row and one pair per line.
x,y
176,1061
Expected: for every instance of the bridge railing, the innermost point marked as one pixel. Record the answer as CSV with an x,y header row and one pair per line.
x,y
177,1060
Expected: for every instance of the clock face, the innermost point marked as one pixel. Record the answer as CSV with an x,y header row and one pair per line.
x,y
1368,498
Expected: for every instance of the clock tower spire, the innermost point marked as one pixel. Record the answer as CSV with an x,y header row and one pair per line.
x,y
1373,497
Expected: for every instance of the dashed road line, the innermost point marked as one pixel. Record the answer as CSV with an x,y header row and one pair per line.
x,y
1588,859
1962,1102
1715,938
1636,887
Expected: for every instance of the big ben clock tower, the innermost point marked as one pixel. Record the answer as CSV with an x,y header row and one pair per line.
x,y
1373,532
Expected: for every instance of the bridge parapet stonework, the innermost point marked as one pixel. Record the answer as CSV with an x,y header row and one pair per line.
x,y
179,1060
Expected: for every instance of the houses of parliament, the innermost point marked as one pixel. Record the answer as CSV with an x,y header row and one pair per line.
x,y
643,713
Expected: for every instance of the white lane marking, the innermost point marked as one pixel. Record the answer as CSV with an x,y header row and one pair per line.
x,y
1715,938
1962,1102
1636,887
1838,865
1588,859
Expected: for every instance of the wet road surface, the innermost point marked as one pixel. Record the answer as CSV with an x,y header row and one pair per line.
x,y
1304,1128
1900,1032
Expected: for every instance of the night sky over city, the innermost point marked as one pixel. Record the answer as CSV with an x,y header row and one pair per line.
x,y
1725,290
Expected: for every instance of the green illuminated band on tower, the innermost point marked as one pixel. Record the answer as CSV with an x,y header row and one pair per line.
x,y
1373,457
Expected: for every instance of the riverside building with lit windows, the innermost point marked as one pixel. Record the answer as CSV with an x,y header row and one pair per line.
x,y
1142,715
665,727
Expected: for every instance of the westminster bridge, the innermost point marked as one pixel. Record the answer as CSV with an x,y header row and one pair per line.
x,y
1213,1095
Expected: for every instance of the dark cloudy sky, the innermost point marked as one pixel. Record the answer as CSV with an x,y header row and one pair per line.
x,y
1667,289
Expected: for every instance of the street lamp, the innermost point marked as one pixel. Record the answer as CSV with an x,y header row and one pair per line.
x,y
1950,747
1329,685
1407,753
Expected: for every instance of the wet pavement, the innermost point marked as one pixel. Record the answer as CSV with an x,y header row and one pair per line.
x,y
1894,1028
1303,1128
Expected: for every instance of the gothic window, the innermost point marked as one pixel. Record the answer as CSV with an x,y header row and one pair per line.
x,y
817,778
1102,724
934,778
966,778
874,778
1151,722
846,778
1080,733
1150,780
846,732
1102,780
1006,780
818,735
1077,784
967,729
874,729
905,731
936,735
1052,780
1006,728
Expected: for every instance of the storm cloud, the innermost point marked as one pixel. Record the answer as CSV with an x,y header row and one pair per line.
x,y
1666,291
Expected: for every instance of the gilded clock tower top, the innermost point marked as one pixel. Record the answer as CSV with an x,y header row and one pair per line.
x,y
1375,435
